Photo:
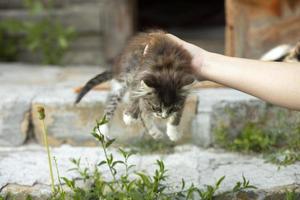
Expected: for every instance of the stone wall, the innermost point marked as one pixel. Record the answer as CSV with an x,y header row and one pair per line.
x,y
206,110
102,27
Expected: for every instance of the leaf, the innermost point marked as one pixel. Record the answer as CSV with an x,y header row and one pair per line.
x,y
110,159
69,183
146,179
75,162
237,187
104,120
63,43
182,184
101,163
72,169
117,162
109,142
131,166
220,181
97,136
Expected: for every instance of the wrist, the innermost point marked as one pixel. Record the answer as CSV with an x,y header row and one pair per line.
x,y
199,61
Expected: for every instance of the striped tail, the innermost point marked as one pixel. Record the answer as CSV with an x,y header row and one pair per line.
x,y
100,78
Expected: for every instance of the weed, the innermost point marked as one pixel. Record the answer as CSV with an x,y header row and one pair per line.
x,y
10,42
128,183
252,139
240,186
47,35
42,116
279,148
283,158
291,195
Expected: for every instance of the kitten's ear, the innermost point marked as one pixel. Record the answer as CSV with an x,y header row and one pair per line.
x,y
145,86
142,90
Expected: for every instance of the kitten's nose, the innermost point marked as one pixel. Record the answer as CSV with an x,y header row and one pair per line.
x,y
164,115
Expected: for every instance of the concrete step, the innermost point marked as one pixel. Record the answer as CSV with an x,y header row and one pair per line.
x,y
23,88
24,170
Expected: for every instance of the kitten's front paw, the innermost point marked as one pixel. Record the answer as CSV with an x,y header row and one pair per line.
x,y
173,132
156,133
128,119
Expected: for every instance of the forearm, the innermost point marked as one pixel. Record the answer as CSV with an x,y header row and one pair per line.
x,y
277,83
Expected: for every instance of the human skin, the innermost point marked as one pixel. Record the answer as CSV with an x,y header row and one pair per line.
x,y
274,82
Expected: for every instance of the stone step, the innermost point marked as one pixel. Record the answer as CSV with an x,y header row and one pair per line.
x,y
24,170
23,88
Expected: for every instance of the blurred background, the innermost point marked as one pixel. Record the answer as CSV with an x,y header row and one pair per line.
x,y
50,48
92,32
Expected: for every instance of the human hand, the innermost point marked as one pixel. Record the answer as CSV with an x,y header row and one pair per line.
x,y
197,53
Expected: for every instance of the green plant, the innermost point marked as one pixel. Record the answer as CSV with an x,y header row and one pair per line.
x,y
280,148
239,186
125,183
254,139
291,195
45,35
10,41
129,184
283,158
251,139
42,116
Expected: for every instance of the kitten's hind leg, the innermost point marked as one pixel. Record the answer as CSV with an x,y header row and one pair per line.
x,y
111,106
132,112
173,126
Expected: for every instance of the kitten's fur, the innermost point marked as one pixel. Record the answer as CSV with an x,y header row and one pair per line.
x,y
155,71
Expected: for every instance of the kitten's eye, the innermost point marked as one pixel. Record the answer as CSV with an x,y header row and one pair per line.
x,y
171,110
155,108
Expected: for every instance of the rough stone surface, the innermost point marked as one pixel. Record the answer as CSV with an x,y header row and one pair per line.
x,y
53,87
26,167
208,98
20,84
67,123
233,117
15,114
72,124
44,76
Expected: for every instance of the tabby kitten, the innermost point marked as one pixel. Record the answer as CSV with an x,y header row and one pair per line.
x,y
155,71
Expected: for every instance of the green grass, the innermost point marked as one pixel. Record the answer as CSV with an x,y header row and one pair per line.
x,y
279,147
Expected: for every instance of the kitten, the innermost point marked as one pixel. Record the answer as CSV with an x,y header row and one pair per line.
x,y
156,72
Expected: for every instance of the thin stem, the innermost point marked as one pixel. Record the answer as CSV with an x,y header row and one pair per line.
x,y
106,157
45,134
58,176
